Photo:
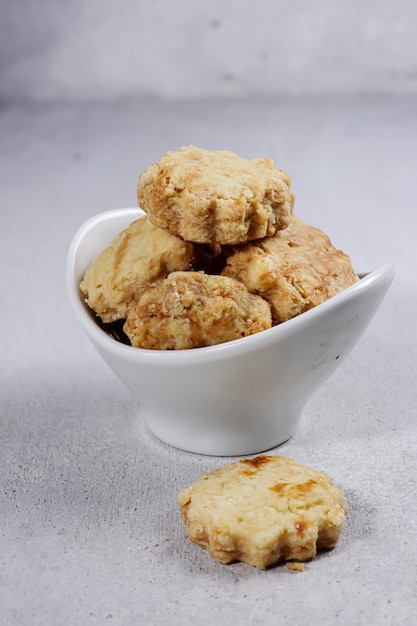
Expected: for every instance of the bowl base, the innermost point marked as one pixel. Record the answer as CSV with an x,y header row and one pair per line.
x,y
210,446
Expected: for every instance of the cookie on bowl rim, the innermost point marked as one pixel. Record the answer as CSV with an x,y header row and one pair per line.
x,y
262,511
295,270
139,256
215,196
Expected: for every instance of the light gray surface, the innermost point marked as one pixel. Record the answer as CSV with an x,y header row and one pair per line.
x,y
90,530
125,48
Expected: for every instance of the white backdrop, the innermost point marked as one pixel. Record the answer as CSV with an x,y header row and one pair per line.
x,y
94,49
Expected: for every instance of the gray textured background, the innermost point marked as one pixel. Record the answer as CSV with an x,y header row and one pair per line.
x,y
91,93
122,48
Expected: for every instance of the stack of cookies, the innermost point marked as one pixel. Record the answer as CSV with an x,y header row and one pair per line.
x,y
219,255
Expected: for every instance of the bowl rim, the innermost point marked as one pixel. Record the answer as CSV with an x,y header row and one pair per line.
x,y
383,274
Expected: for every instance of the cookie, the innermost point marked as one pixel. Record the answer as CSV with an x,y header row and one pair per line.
x,y
193,310
140,256
207,196
262,511
295,270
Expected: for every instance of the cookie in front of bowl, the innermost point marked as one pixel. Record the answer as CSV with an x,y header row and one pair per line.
x,y
194,310
262,511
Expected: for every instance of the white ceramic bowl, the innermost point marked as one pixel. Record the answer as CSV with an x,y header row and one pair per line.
x,y
240,397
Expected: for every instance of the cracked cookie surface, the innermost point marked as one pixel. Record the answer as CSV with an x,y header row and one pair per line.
x,y
193,310
295,270
215,196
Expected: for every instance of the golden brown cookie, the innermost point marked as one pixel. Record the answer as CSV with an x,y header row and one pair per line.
x,y
140,256
262,511
295,270
192,310
208,196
